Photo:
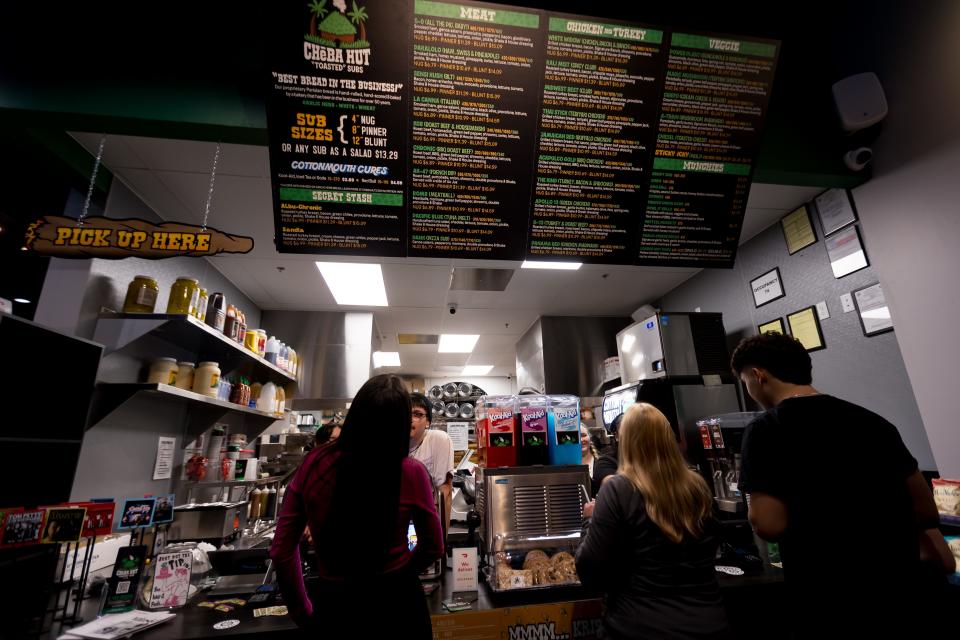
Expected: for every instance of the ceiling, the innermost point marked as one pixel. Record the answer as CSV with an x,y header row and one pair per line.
x,y
172,177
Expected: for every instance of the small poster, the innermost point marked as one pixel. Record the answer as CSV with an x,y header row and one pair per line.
x,y
798,230
99,520
163,469
163,511
137,512
465,569
171,580
64,524
767,287
459,435
23,527
125,581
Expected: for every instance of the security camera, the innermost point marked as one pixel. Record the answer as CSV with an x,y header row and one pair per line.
x,y
857,159
452,308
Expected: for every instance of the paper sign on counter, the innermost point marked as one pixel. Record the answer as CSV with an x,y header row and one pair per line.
x,y
459,435
465,569
164,466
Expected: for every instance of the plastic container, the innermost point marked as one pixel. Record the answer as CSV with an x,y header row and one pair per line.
x,y
163,371
281,400
142,295
255,503
534,447
261,342
497,431
251,340
271,512
184,295
271,349
214,447
185,375
202,301
216,311
283,356
206,379
268,398
563,430
293,363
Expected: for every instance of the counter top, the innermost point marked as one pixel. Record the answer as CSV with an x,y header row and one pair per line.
x,y
193,622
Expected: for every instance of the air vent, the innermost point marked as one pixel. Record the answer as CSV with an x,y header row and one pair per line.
x,y
547,509
530,509
417,338
464,279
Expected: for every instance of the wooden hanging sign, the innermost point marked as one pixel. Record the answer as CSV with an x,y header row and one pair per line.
x,y
99,237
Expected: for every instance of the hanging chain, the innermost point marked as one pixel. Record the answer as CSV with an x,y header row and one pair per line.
x,y
213,177
93,181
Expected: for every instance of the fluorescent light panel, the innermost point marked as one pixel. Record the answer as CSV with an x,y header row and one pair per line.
x,y
386,359
354,283
476,369
21,300
564,266
457,343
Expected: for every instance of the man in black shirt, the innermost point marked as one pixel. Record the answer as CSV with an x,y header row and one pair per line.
x,y
834,484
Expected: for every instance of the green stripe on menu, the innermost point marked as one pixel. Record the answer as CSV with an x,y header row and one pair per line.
x,y
723,45
603,30
477,14
339,196
701,166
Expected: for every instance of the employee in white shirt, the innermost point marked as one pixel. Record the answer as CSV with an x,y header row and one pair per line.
x,y
433,448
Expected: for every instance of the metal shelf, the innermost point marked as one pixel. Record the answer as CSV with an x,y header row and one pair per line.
x,y
117,330
112,395
189,484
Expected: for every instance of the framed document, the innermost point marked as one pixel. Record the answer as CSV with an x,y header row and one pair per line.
x,y
805,327
872,309
774,326
798,230
835,209
846,252
767,288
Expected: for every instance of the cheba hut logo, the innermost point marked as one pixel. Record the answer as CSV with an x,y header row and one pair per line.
x,y
337,40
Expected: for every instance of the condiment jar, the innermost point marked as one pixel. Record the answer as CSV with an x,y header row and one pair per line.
x,y
141,295
231,326
185,375
261,342
206,379
163,371
216,311
184,295
202,305
251,340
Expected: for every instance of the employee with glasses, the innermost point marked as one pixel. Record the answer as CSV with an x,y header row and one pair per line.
x,y
433,448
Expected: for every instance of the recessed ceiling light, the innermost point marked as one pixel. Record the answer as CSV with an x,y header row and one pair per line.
x,y
476,369
354,283
457,343
21,300
386,359
565,266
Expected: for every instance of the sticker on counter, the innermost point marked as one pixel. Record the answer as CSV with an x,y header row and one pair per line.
x,y
226,624
732,571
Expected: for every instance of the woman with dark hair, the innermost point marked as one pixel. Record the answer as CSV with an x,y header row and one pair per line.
x,y
651,542
359,495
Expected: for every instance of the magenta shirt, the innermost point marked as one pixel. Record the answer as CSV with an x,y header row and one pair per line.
x,y
308,499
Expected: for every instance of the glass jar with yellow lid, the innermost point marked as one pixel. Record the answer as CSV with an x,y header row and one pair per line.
x,y
141,295
184,295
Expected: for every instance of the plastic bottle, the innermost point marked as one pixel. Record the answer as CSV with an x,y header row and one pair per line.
x,y
563,430
270,354
280,494
533,431
283,356
294,362
255,503
268,398
264,494
271,513
281,399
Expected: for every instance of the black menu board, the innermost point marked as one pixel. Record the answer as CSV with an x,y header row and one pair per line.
x,y
337,122
472,130
475,99
598,119
714,101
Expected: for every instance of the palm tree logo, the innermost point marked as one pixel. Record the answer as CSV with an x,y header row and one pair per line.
x,y
359,16
318,9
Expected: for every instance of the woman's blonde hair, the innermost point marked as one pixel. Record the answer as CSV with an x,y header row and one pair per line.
x,y
677,499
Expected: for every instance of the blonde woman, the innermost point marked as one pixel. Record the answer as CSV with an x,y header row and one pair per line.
x,y
651,541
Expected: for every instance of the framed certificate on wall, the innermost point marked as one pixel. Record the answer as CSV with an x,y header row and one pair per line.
x,y
798,230
835,209
873,311
846,253
805,327
774,326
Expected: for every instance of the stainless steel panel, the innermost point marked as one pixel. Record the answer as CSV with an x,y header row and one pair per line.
x,y
335,349
467,279
678,349
639,347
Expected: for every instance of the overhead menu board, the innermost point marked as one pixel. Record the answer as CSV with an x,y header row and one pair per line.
x,y
475,84
475,130
597,125
337,120
714,101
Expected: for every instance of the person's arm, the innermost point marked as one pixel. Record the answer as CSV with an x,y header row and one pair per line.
x,y
600,551
925,513
423,512
767,515
935,551
285,553
605,466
